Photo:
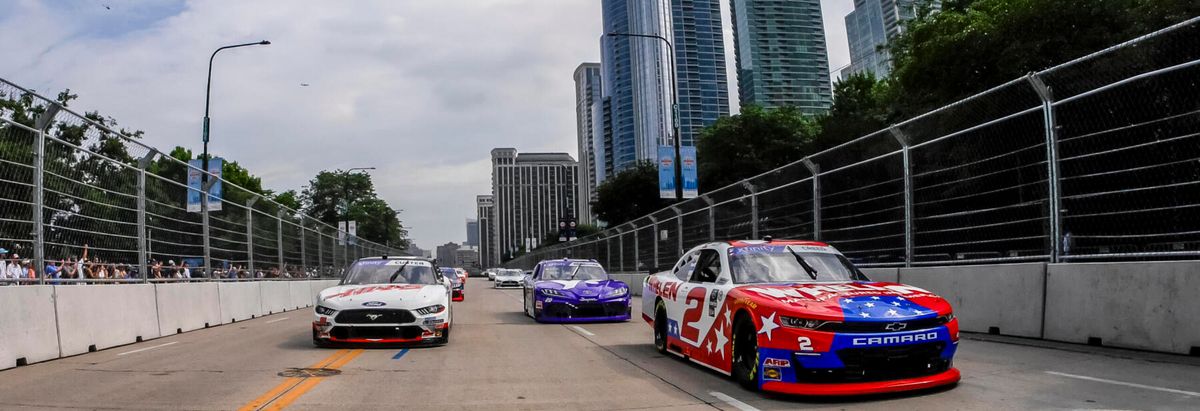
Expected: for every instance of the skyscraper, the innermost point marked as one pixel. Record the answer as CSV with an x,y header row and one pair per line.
x,y
531,193
870,26
485,215
700,65
781,54
587,114
472,233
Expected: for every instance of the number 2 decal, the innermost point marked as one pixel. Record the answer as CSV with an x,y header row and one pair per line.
x,y
805,343
692,314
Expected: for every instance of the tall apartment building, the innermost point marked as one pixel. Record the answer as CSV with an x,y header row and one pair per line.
x,y
531,192
700,65
472,233
870,26
587,115
781,55
485,215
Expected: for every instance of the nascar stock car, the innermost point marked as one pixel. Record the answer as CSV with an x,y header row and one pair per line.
x,y
456,282
491,274
569,290
508,278
797,317
384,300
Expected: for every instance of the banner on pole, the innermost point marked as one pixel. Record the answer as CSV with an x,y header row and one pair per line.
x,y
691,182
666,172
352,230
194,189
341,233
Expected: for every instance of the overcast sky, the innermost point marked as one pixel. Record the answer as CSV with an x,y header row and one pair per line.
x,y
420,89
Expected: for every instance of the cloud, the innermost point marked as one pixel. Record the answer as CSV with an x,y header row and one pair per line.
x,y
420,89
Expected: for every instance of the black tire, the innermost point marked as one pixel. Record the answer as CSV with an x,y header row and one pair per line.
x,y
319,343
745,354
445,336
525,304
660,327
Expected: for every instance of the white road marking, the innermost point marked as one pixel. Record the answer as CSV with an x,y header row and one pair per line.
x,y
732,401
148,348
277,320
1127,384
585,332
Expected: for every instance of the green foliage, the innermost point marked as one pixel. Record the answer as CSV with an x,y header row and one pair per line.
x,y
861,105
629,194
340,195
289,199
753,142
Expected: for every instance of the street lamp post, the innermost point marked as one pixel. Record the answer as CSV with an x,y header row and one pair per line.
x,y
674,106
207,96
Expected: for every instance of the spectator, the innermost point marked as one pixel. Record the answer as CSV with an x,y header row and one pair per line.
x,y
3,266
184,272
156,269
52,270
69,269
30,271
170,272
15,270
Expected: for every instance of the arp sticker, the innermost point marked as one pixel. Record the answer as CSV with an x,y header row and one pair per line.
x,y
772,374
777,362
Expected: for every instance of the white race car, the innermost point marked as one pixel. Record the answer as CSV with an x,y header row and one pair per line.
x,y
491,274
385,300
506,278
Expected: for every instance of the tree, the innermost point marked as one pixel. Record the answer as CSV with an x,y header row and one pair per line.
x,y
289,199
629,194
336,195
861,105
756,141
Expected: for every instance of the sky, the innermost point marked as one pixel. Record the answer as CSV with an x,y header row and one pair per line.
x,y
420,89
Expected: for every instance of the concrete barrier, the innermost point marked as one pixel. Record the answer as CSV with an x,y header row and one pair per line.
x,y
634,280
239,301
301,294
890,275
95,317
1143,305
28,331
1006,298
319,285
276,296
187,306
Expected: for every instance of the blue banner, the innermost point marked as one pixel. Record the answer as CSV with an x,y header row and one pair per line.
x,y
194,189
691,183
666,172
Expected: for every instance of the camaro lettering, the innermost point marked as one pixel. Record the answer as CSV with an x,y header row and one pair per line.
x,y
896,339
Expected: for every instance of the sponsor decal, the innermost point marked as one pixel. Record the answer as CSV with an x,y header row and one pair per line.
x,y
374,304
549,299
586,299
712,302
746,301
772,374
672,328
374,317
538,304
777,249
433,321
374,288
668,290
822,292
895,326
777,362
896,339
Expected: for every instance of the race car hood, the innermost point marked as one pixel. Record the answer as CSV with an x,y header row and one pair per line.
x,y
582,288
510,277
844,301
382,295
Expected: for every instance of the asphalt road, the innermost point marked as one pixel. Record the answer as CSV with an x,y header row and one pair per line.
x,y
499,359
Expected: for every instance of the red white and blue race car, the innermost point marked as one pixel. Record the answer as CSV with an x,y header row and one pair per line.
x,y
797,317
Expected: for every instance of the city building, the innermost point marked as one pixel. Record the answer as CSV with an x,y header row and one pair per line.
x,y
635,90
869,28
485,214
700,66
781,54
414,250
468,259
472,233
447,254
531,192
587,112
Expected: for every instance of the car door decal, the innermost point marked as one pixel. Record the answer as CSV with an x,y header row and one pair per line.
x,y
692,314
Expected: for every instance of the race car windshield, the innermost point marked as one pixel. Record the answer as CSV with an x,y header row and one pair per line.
x,y
450,274
789,265
574,272
390,272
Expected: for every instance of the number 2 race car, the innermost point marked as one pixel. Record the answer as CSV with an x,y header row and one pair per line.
x,y
384,300
796,317
456,282
571,291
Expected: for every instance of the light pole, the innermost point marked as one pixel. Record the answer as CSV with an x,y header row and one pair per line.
x,y
207,95
674,107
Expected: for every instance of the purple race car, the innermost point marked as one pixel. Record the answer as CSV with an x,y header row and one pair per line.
x,y
570,291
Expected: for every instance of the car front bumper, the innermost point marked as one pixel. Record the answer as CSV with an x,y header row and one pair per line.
x,y
566,311
947,377
421,330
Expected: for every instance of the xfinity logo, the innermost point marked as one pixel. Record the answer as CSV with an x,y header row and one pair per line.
x,y
896,339
374,317
895,326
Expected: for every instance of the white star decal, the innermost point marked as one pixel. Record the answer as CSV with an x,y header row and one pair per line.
x,y
865,315
727,320
900,298
869,305
710,347
875,298
918,312
893,313
768,325
721,340
896,303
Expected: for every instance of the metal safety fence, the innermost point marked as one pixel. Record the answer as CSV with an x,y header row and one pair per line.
x,y
82,202
1094,159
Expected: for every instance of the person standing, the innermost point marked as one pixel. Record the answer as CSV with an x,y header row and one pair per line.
x,y
15,270
184,272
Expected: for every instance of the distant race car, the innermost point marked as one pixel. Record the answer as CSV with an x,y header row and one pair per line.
x,y
491,274
461,274
456,283
384,300
797,317
508,278
574,291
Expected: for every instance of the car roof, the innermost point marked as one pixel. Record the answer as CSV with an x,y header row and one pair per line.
x,y
749,243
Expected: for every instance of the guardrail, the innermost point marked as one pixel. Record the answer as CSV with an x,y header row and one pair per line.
x,y
1096,159
73,188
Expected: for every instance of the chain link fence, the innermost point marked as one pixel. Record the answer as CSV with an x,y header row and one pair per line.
x,y
1097,159
81,202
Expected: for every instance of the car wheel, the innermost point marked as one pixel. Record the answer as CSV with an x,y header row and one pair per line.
x,y
445,336
660,327
525,304
745,354
319,343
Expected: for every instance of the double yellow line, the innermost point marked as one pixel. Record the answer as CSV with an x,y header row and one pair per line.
x,y
292,388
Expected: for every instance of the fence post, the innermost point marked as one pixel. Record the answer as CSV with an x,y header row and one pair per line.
x,y
908,192
654,235
637,257
279,240
143,163
303,254
815,169
250,237
753,208
43,122
320,251
608,252
204,220
712,219
621,250
1055,207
